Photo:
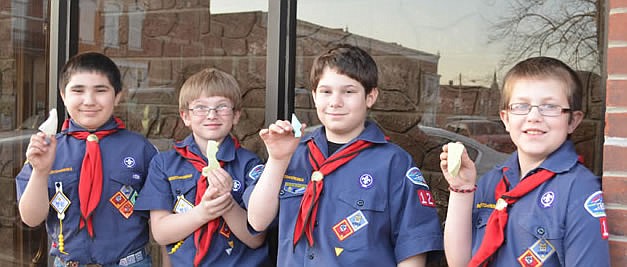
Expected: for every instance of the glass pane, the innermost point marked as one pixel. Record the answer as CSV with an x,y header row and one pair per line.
x,y
23,106
158,44
441,64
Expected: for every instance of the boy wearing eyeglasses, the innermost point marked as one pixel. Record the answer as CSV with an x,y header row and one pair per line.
x,y
194,192
541,207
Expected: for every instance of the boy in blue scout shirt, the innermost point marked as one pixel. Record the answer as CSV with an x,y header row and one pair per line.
x,y
347,196
549,205
83,182
195,205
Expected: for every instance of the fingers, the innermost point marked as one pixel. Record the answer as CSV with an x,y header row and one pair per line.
x,y
39,143
221,180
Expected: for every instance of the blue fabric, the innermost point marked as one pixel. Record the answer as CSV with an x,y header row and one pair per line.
x,y
373,186
125,159
171,176
552,216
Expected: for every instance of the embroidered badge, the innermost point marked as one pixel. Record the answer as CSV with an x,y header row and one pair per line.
x,y
357,220
117,199
294,188
343,229
425,197
542,249
60,202
126,209
182,205
546,201
366,181
594,204
415,176
133,197
236,185
604,233
129,162
527,259
255,172
127,190
136,176
225,231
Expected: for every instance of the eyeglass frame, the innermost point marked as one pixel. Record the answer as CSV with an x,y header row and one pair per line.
x,y
541,109
221,110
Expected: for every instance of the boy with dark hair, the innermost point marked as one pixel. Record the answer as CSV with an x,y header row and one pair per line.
x,y
83,182
543,200
347,196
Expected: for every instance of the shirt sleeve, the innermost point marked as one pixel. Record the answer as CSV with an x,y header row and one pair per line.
x,y
415,223
156,193
585,240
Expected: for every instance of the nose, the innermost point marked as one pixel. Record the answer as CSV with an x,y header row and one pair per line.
x,y
335,100
534,113
212,113
89,98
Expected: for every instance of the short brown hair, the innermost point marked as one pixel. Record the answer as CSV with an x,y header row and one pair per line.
x,y
210,82
348,60
544,68
91,62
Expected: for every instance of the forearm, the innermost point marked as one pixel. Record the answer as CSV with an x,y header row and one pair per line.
x,y
34,202
458,229
236,220
263,205
162,222
414,261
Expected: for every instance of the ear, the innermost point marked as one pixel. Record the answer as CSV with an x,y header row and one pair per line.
x,y
371,97
313,95
185,116
117,99
62,93
236,116
505,119
576,117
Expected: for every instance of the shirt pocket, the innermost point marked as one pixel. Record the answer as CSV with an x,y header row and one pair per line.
x,y
361,221
186,188
479,222
540,228
67,183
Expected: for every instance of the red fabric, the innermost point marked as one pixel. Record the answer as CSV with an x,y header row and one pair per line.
x,y
202,235
494,232
90,181
309,204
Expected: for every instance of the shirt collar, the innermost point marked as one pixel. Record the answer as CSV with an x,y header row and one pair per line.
x,y
371,133
561,160
226,150
74,127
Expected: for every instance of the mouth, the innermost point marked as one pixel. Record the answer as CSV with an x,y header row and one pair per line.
x,y
534,132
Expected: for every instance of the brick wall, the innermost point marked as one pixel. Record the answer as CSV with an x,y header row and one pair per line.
x,y
615,147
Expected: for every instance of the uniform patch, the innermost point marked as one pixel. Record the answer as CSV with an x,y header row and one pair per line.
x,y
182,205
129,162
528,259
343,230
127,190
542,249
546,201
126,209
338,251
426,199
225,230
236,185
117,199
255,172
415,176
366,181
357,220
294,188
604,233
594,204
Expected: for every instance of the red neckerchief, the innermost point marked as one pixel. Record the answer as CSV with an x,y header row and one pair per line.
x,y
202,235
495,228
90,181
322,167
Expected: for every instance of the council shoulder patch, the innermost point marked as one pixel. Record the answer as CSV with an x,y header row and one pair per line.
x,y
415,176
594,204
255,172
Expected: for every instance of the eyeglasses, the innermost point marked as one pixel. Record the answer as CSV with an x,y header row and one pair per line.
x,y
549,110
222,110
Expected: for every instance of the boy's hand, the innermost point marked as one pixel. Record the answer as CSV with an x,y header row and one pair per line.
x,y
41,152
213,205
279,140
467,176
221,180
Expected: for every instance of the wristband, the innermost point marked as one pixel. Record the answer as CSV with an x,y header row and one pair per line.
x,y
456,190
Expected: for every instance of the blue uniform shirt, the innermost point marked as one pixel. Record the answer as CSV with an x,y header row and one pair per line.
x,y
125,159
560,223
172,176
375,210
